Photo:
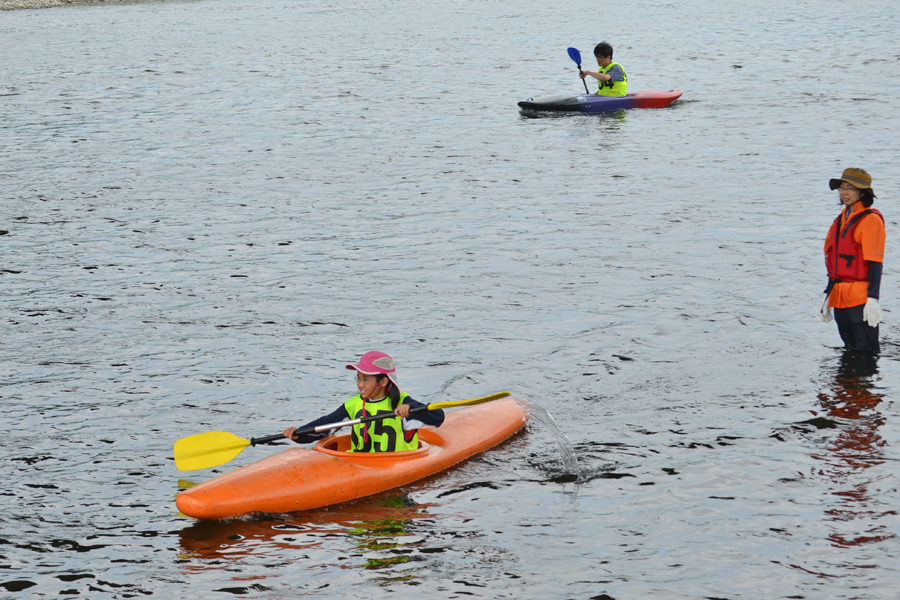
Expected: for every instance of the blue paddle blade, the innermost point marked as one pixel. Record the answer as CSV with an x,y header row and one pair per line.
x,y
575,55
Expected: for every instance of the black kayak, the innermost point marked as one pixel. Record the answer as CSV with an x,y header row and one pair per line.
x,y
592,103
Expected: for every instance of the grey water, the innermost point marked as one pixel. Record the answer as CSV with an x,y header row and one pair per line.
x,y
208,207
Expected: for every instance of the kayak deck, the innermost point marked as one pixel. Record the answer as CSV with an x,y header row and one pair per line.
x,y
301,479
592,103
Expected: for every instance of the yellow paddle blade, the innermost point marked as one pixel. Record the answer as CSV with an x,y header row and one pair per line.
x,y
470,402
206,450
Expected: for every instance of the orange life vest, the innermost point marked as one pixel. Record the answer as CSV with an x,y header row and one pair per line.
x,y
843,259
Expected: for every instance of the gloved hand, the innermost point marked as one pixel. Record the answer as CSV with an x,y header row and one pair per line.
x,y
825,311
872,312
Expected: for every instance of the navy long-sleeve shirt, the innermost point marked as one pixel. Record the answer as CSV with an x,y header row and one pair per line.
x,y
427,417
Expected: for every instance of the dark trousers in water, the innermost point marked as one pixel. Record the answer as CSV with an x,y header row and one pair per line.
x,y
856,333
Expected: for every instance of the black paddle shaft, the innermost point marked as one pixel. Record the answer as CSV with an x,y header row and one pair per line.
x,y
266,439
274,438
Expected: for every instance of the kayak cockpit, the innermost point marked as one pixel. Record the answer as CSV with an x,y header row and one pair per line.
x,y
339,445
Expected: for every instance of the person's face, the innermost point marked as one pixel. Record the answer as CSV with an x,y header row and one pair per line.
x,y
849,194
603,61
371,386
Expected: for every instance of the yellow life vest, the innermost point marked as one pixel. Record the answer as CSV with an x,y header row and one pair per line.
x,y
613,88
386,435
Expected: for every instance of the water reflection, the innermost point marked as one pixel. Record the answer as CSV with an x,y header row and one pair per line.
x,y
851,404
612,116
362,528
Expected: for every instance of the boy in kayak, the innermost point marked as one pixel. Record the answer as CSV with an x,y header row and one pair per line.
x,y
376,380
611,75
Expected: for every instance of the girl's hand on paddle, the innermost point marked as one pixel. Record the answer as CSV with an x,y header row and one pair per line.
x,y
402,411
289,432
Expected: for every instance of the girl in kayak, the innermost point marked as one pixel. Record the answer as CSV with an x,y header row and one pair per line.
x,y
854,252
376,380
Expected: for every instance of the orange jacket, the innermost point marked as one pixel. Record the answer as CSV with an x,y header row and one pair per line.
x,y
868,234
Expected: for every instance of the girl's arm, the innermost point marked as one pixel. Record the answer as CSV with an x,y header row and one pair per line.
x,y
336,417
427,417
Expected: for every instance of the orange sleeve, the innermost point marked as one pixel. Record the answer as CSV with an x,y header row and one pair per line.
x,y
870,235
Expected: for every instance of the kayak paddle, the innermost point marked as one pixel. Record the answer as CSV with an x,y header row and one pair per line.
x,y
575,55
214,448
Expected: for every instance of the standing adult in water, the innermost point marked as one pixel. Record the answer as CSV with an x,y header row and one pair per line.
x,y
611,75
854,252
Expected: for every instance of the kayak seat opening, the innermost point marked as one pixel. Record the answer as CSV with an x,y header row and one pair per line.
x,y
339,445
336,443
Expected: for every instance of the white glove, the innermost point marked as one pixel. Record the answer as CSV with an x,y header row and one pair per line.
x,y
825,311
872,312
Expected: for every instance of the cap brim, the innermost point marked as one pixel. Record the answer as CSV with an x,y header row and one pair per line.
x,y
391,376
836,183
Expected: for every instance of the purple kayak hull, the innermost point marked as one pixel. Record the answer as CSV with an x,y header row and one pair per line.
x,y
592,103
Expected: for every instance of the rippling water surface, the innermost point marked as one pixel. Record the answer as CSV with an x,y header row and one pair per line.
x,y
210,206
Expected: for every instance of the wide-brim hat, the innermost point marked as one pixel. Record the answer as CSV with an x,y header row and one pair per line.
x,y
376,363
858,178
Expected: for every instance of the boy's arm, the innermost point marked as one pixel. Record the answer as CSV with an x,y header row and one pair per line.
x,y
595,75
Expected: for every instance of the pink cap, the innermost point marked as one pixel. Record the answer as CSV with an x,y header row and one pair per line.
x,y
376,363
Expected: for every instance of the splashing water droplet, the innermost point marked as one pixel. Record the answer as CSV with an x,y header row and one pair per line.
x,y
566,449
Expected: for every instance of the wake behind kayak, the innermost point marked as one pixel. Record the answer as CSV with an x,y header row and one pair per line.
x,y
592,103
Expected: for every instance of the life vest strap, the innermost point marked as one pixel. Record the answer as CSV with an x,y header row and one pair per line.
x,y
848,257
853,220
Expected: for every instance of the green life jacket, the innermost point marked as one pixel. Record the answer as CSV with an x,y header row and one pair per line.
x,y
613,88
386,435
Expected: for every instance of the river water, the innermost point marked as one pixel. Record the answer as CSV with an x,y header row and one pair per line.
x,y
209,207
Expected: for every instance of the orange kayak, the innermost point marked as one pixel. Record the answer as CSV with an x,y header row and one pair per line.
x,y
301,479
